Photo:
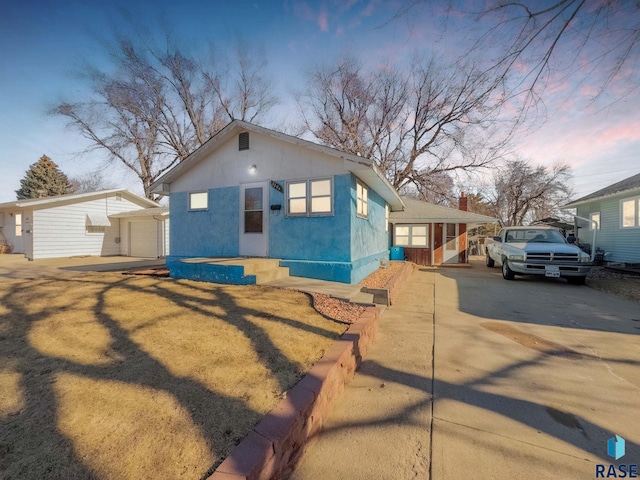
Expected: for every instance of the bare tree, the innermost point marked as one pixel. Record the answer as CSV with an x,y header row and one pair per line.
x,y
90,182
523,193
419,126
581,40
157,104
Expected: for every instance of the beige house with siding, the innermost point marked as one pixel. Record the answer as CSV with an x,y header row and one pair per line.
x,y
104,223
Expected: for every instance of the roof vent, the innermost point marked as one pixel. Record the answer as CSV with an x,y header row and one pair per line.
x,y
243,141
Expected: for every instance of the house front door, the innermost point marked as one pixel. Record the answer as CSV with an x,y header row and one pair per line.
x,y
450,243
254,219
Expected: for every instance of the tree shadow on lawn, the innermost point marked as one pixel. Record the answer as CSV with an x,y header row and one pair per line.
x,y
126,409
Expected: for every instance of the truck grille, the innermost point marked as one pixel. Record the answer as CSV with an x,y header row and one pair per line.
x,y
553,257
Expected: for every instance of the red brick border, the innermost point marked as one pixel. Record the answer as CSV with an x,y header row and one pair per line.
x,y
271,450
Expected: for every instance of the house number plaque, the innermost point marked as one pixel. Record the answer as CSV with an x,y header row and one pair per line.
x,y
277,186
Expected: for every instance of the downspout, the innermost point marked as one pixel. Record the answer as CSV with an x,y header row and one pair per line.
x,y
163,235
595,230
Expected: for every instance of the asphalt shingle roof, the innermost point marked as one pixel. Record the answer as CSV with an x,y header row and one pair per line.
x,y
417,211
628,184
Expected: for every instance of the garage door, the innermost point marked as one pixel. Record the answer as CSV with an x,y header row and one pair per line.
x,y
143,236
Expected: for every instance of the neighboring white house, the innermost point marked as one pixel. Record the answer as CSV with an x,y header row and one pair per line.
x,y
615,213
108,222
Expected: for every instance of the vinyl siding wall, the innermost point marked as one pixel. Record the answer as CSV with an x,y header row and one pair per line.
x,y
620,244
61,231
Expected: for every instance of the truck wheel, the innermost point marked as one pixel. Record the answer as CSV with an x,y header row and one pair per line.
x,y
576,280
490,262
507,273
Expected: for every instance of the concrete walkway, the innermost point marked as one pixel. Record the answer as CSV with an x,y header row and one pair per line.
x,y
338,290
379,429
531,378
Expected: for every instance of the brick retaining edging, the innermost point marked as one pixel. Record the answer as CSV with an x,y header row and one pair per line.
x,y
389,292
396,282
271,450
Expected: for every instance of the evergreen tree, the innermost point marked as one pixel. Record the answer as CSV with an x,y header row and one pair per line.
x,y
43,179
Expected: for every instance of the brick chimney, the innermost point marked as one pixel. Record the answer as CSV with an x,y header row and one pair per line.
x,y
462,202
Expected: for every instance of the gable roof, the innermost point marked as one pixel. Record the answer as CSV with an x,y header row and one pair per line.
x,y
628,185
363,168
417,211
36,202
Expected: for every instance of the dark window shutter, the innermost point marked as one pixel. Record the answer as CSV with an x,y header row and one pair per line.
x,y
243,141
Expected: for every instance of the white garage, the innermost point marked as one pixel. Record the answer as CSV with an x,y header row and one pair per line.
x,y
104,223
144,232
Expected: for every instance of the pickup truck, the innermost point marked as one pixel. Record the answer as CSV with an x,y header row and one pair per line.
x,y
537,251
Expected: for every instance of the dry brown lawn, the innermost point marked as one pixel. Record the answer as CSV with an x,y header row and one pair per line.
x,y
111,376
628,287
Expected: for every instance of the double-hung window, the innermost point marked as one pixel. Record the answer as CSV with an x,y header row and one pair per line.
x,y
362,199
310,197
630,212
594,217
386,217
410,235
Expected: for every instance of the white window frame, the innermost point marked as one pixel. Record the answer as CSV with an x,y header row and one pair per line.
x,y
198,209
362,200
598,220
386,217
308,197
18,224
411,235
636,206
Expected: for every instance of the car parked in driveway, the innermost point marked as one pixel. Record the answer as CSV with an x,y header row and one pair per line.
x,y
537,251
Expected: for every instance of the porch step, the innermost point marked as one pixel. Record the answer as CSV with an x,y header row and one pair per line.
x,y
364,299
233,271
264,269
266,276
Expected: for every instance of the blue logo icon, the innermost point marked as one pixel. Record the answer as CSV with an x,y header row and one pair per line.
x,y
615,447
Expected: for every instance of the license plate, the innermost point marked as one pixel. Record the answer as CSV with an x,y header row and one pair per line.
x,y
551,271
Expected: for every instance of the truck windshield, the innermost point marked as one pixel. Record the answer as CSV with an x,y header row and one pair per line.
x,y
534,235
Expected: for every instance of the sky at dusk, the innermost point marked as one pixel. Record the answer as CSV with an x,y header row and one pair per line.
x,y
44,43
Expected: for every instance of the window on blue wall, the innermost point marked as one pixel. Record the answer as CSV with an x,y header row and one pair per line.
x,y
310,197
386,217
594,217
362,202
198,201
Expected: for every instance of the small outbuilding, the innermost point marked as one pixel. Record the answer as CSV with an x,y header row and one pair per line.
x,y
104,223
431,234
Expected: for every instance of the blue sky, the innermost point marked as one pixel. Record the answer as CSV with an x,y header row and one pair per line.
x,y
43,43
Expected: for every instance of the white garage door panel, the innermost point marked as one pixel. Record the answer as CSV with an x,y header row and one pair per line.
x,y
144,238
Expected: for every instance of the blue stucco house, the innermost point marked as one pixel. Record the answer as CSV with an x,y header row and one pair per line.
x,y
254,192
614,213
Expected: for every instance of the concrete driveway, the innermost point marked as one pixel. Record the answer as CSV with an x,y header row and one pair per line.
x,y
16,266
488,379
532,377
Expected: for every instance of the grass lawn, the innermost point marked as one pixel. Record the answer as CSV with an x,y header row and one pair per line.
x,y
111,376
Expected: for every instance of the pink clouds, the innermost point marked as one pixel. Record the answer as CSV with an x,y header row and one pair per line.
x,y
347,15
323,21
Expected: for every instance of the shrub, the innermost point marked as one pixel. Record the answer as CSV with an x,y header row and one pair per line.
x,y
5,248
